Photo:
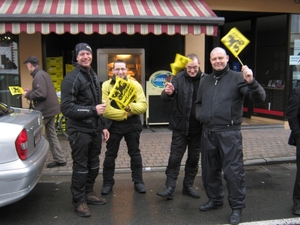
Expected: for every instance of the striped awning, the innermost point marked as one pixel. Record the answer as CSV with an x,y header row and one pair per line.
x,y
108,16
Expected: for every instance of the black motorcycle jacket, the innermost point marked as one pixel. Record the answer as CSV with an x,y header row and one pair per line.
x,y
220,98
80,93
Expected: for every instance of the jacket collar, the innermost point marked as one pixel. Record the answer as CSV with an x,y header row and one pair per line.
x,y
197,77
34,72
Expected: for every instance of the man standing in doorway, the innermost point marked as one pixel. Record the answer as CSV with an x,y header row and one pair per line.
x,y
219,107
45,99
123,123
81,104
186,130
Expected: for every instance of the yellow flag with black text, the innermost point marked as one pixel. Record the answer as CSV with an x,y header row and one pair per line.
x,y
16,90
179,64
235,41
123,93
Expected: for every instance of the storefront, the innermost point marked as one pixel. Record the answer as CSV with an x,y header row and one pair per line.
x,y
271,26
51,29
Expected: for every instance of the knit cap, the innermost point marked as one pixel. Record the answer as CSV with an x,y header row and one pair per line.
x,y
82,47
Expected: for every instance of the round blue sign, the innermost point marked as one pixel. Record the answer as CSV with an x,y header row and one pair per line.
x,y
160,78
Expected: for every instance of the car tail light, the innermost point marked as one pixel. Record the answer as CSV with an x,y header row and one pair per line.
x,y
22,145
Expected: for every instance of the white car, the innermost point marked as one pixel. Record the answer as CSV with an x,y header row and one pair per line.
x,y
23,151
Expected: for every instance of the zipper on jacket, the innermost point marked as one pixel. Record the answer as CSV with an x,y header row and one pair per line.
x,y
216,82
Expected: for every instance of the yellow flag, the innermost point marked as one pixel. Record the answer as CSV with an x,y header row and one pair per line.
x,y
123,92
16,90
175,69
235,41
179,64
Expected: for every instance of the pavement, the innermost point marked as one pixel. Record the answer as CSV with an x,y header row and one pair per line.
x,y
263,144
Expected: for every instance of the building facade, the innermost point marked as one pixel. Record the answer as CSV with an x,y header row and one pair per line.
x,y
51,29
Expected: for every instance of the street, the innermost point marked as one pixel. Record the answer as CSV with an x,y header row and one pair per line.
x,y
269,197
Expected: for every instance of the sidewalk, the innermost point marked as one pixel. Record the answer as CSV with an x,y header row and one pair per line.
x,y
262,145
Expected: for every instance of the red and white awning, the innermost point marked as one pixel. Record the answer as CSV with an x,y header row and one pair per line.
x,y
108,16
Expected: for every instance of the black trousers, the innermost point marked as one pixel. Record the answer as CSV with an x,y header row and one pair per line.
x,y
178,147
85,153
223,150
296,191
132,140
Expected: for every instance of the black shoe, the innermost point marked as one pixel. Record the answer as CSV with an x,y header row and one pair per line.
x,y
56,164
167,193
296,209
235,217
140,188
210,205
190,191
106,190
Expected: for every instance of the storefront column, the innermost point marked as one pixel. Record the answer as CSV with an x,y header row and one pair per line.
x,y
29,44
196,44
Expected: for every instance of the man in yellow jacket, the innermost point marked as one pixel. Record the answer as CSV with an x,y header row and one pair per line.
x,y
125,121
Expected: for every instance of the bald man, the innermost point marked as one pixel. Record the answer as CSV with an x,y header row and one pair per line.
x,y
219,106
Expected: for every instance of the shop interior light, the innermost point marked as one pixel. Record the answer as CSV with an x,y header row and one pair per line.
x,y
6,38
124,56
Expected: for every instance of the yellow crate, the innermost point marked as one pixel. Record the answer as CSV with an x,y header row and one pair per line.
x,y
69,68
54,69
56,76
57,86
53,60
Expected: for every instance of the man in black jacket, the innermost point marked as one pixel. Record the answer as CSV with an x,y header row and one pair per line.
x,y
219,107
186,129
45,99
81,103
293,116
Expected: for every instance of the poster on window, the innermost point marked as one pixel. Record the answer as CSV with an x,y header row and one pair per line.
x,y
8,57
297,47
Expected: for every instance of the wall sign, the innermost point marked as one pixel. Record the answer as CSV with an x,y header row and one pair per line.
x,y
157,82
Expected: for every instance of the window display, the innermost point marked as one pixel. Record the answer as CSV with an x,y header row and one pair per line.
x,y
9,69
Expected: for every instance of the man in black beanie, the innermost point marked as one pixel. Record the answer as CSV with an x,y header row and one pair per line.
x,y
81,103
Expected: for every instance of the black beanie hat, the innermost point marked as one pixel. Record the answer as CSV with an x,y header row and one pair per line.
x,y
82,47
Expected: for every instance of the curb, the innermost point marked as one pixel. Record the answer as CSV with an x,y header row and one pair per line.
x,y
252,162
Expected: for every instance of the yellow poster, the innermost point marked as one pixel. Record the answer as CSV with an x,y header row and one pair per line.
x,y
16,90
235,41
123,93
179,64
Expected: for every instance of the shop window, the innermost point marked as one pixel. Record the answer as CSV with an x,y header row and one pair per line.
x,y
295,50
295,25
9,69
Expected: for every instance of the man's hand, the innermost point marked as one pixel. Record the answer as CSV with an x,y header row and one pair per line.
x,y
106,134
248,74
169,88
25,92
100,108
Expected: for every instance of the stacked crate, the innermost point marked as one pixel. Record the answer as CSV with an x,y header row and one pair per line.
x,y
55,70
69,68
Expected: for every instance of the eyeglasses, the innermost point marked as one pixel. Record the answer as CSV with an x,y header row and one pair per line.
x,y
120,69
192,67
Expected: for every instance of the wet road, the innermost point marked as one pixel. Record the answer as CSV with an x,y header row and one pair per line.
x,y
269,197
